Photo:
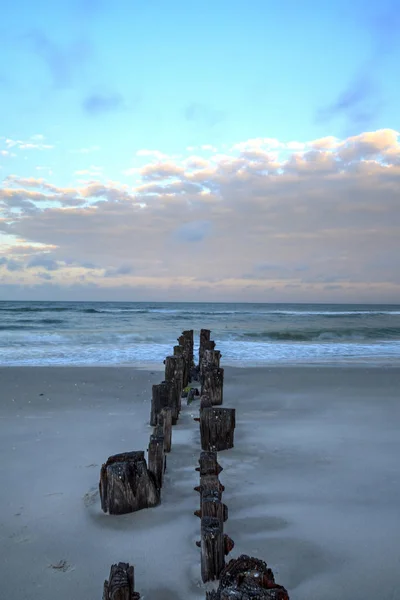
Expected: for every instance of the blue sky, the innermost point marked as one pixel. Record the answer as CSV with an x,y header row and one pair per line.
x,y
87,85
170,74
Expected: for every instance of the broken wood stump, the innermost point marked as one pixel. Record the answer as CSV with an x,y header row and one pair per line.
x,y
164,394
215,545
156,456
217,427
126,485
121,583
247,578
165,420
209,464
212,385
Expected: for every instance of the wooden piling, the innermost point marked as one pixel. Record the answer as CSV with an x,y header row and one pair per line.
x,y
213,382
164,394
212,548
217,427
170,367
156,456
210,485
205,401
186,342
126,484
204,337
165,420
209,464
121,583
247,578
210,506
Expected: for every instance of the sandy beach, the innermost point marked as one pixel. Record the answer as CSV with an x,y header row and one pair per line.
x,y
312,485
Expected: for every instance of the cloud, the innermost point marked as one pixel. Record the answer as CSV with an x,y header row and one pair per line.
x,y
98,103
160,171
122,270
204,115
298,220
361,100
61,62
10,264
194,231
41,260
34,143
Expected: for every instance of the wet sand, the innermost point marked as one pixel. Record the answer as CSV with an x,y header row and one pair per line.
x,y
312,485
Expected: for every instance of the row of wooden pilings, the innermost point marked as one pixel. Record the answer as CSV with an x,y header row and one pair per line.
x,y
128,483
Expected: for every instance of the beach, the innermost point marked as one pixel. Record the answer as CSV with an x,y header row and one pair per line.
x,y
312,484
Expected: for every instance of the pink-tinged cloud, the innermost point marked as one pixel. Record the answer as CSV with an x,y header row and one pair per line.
x,y
320,222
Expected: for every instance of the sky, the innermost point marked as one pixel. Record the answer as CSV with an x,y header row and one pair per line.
x,y
200,151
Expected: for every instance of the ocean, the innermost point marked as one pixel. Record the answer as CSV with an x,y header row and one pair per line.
x,y
142,334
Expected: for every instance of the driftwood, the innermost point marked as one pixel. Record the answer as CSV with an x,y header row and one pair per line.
x,y
204,337
212,385
217,427
209,464
157,459
247,578
121,583
164,394
215,545
126,485
165,419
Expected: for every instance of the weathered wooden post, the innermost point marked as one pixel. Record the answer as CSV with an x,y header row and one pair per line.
x,y
126,484
205,401
190,343
209,464
157,456
217,427
121,583
170,367
186,341
209,346
174,367
213,383
247,578
211,485
211,360
165,419
204,337
211,506
164,394
215,545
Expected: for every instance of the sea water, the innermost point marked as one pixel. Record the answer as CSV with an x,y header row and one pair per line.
x,y
142,334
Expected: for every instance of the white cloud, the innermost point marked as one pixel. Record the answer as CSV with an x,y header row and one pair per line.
x,y
323,214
